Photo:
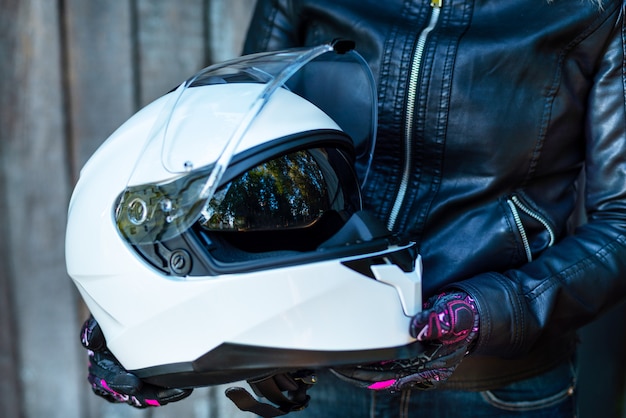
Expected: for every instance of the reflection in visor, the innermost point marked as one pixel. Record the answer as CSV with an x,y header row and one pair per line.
x,y
290,191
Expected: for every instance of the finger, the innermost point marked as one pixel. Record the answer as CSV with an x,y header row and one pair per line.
x,y
426,380
156,395
91,336
100,388
426,326
106,368
116,385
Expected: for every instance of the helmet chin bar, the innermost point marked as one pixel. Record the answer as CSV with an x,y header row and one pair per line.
x,y
282,376
233,362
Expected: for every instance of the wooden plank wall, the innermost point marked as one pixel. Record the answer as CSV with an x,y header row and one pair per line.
x,y
71,72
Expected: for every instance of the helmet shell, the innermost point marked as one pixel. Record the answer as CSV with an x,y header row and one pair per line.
x,y
209,329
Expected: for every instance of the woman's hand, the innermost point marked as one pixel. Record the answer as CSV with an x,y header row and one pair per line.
x,y
112,382
447,327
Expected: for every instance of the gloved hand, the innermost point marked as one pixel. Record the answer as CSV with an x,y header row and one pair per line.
x,y
447,327
112,382
449,323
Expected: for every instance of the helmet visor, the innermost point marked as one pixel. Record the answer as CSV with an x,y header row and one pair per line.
x,y
194,139
290,191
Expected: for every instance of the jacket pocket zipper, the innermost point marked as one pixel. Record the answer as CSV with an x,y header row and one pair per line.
x,y
516,205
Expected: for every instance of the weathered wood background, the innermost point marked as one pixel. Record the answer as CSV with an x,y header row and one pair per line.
x,y
71,71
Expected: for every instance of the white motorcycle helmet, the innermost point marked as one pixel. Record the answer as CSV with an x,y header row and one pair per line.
x,y
218,235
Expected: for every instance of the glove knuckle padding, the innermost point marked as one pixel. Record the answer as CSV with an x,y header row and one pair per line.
x,y
461,320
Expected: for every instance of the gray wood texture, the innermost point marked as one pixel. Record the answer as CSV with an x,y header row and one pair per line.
x,y
72,71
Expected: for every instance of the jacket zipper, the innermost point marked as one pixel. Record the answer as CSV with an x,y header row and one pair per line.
x,y
416,65
515,203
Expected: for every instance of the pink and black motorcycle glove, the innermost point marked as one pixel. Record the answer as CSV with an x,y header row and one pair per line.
x,y
112,382
447,328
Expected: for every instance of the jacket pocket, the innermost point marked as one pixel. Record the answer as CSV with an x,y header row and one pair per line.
x,y
535,232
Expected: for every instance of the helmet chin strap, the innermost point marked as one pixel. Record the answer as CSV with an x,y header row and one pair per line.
x,y
273,388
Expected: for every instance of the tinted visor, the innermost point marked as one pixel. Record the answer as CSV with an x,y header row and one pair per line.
x,y
291,191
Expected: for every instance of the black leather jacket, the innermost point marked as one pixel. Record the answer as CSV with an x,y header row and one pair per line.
x,y
489,112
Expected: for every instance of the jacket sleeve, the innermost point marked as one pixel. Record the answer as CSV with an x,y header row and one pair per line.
x,y
583,275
